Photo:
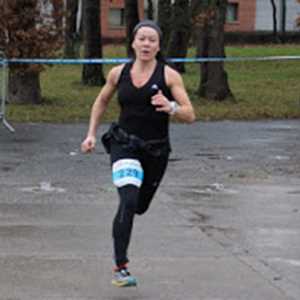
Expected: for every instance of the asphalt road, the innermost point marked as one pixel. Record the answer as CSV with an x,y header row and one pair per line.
x,y
225,224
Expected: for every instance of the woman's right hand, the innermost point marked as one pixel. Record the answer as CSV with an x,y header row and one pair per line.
x,y
89,144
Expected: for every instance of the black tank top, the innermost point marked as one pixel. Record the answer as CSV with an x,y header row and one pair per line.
x,y
138,115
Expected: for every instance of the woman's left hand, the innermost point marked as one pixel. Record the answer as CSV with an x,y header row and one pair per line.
x,y
161,103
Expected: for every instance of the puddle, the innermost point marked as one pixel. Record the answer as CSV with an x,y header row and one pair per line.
x,y
294,192
73,153
215,188
258,141
199,217
210,229
43,187
209,155
108,189
175,159
293,262
281,157
275,238
25,140
7,167
278,128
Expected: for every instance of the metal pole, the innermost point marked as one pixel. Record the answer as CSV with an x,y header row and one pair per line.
x,y
4,64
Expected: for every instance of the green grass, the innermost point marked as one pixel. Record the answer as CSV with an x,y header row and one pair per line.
x,y
262,90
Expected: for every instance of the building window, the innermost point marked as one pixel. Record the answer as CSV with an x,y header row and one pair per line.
x,y
116,17
232,12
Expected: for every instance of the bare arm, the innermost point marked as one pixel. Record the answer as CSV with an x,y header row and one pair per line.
x,y
99,107
184,110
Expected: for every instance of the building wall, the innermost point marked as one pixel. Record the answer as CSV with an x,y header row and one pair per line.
x,y
246,16
264,19
252,15
115,32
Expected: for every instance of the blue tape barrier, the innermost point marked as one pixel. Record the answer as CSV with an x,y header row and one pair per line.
x,y
125,60
68,61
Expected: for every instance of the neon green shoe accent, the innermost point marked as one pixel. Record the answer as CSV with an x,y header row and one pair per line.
x,y
122,278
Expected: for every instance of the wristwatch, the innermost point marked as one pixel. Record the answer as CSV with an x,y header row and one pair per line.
x,y
174,107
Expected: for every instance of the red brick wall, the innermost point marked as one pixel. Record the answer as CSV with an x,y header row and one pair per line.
x,y
115,32
246,16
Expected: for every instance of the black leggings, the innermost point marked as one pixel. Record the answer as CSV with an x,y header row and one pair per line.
x,y
134,199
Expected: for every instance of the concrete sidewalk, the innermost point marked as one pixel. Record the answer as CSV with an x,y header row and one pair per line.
x,y
224,225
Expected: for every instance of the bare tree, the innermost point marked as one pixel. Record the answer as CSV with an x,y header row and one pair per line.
x,y
283,20
92,74
29,29
164,20
180,34
71,36
150,13
209,20
131,19
274,16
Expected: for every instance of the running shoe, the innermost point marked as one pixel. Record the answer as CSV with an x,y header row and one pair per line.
x,y
122,278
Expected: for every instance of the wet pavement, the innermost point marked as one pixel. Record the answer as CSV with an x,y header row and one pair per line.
x,y
225,224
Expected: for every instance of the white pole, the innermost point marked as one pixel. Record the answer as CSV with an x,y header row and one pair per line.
x,y
79,16
4,71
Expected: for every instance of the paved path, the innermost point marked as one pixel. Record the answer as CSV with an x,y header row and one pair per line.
x,y
224,225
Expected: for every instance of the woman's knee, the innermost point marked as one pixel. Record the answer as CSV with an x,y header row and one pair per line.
x,y
129,197
144,201
141,210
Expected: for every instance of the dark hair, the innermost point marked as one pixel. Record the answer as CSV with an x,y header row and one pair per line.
x,y
147,23
153,25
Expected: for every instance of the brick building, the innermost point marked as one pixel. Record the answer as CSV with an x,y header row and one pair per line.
x,y
263,19
241,15
113,19
257,15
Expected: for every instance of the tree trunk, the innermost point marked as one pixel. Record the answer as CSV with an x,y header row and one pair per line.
x,y
24,83
71,49
180,34
150,13
131,19
92,74
24,88
164,21
283,20
274,14
209,22
57,11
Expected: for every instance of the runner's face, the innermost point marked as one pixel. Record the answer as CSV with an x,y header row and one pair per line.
x,y
146,43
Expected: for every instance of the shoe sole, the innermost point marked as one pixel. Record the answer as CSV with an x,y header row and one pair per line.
x,y
126,283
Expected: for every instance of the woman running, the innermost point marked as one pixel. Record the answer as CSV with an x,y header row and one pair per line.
x,y
149,92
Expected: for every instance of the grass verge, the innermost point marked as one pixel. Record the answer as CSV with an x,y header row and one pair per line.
x,y
261,89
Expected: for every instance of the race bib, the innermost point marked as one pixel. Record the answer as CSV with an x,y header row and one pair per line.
x,y
127,171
